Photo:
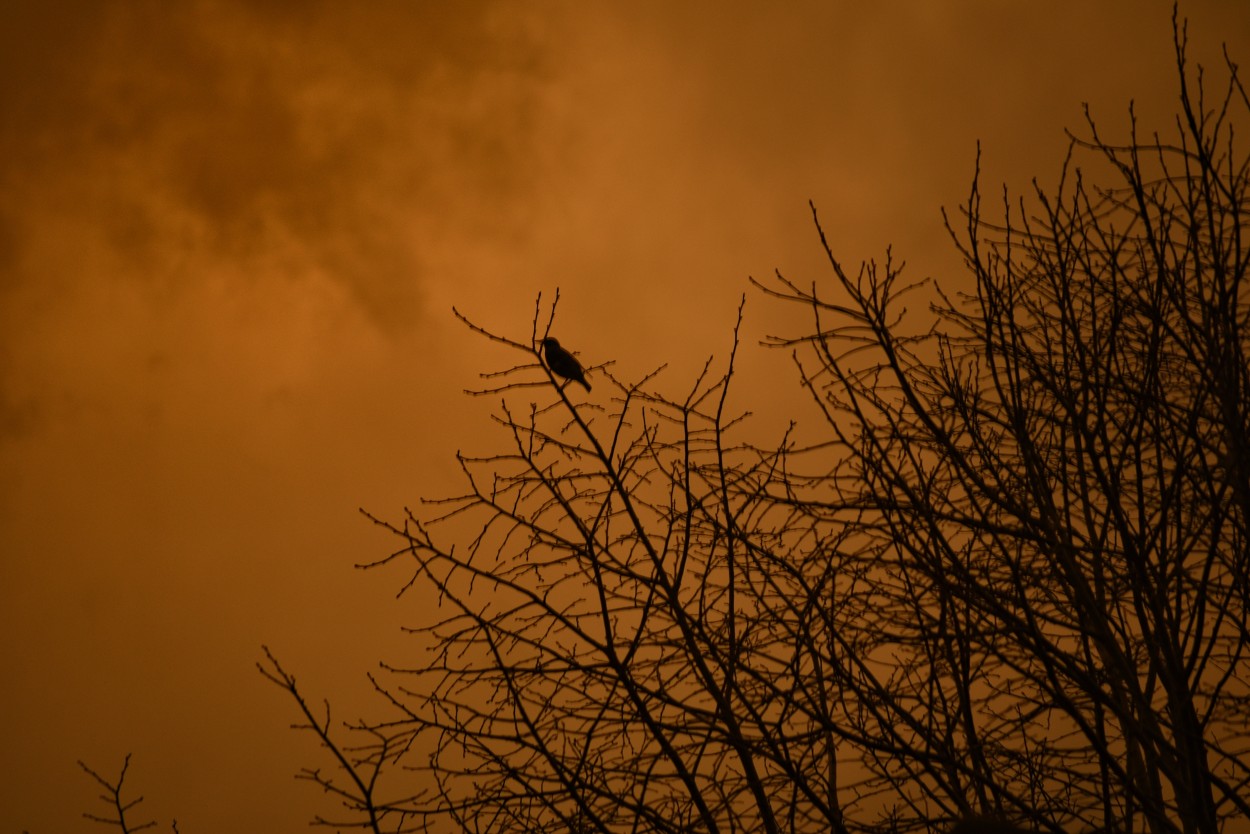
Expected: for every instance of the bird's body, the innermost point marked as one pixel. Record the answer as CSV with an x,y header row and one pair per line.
x,y
562,363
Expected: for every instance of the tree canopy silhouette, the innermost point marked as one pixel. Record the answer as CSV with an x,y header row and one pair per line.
x,y
1011,580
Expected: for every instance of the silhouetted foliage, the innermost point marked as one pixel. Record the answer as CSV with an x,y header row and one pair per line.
x,y
1011,582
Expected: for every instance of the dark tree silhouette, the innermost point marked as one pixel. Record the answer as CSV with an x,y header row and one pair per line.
x,y
1048,492
1011,583
118,807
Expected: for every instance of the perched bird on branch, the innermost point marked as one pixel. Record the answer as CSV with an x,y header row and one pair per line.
x,y
562,363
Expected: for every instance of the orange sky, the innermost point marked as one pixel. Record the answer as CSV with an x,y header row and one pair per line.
x,y
230,237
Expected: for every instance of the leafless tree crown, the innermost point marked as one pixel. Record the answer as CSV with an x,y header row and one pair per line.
x,y
1012,580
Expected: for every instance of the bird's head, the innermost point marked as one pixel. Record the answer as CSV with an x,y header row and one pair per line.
x,y
550,343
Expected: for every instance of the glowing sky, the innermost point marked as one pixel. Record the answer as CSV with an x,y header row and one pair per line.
x,y
230,237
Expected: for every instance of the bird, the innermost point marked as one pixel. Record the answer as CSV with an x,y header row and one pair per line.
x,y
562,363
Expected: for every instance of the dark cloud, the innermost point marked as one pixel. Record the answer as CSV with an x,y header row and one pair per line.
x,y
347,136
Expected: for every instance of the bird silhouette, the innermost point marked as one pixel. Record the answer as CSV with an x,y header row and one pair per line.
x,y
562,363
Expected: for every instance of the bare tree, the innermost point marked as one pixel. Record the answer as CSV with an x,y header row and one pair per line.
x,y
118,807
1011,583
1050,484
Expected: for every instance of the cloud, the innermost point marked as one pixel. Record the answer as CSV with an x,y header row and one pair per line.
x,y
162,162
346,139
